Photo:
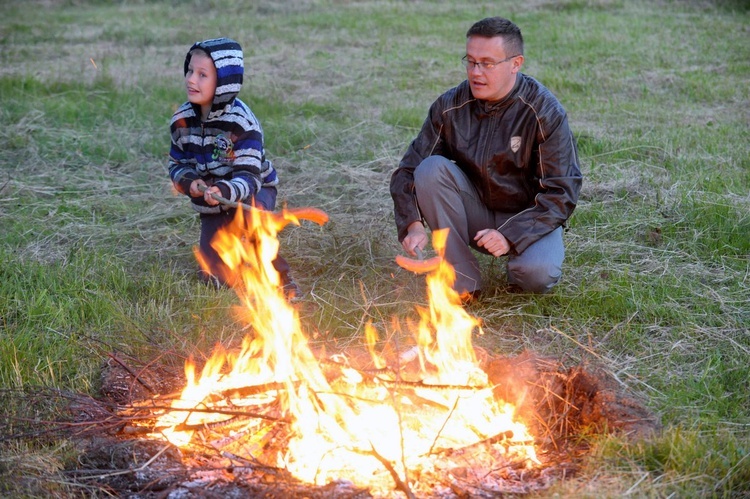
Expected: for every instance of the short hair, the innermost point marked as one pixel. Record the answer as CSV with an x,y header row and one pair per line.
x,y
199,51
499,26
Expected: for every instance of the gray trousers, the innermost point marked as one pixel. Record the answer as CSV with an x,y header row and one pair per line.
x,y
447,199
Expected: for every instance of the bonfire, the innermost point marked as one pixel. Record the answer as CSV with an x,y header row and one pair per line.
x,y
377,424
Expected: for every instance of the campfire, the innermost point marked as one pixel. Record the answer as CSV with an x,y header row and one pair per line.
x,y
380,423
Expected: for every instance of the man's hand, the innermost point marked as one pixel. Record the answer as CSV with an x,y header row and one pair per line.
x,y
416,237
492,241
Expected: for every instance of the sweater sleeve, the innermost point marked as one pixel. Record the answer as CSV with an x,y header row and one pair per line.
x,y
182,171
245,180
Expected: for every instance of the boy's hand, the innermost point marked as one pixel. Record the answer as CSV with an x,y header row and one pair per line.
x,y
208,196
195,188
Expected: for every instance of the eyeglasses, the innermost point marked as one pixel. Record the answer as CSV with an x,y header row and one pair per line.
x,y
484,66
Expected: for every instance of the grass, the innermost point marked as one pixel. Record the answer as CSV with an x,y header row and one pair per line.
x,y
96,250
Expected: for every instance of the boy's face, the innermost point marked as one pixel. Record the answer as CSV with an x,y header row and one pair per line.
x,y
200,81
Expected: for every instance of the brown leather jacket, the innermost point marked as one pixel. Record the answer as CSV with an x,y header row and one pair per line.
x,y
519,152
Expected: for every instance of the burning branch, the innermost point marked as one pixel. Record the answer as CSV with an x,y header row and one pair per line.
x,y
400,484
445,422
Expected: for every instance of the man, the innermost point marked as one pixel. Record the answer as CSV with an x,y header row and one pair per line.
x,y
495,163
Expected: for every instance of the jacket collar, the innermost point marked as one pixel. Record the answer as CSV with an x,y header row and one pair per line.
x,y
491,107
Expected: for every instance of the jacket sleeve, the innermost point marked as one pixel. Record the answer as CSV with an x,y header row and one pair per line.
x,y
559,176
427,143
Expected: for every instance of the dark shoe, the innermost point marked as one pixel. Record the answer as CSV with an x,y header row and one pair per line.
x,y
291,290
514,289
468,297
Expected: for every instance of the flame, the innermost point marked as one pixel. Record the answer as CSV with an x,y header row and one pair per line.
x,y
349,426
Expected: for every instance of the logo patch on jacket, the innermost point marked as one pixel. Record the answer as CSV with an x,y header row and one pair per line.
x,y
223,148
515,143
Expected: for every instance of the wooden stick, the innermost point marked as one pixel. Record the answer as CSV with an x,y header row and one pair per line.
x,y
133,374
400,484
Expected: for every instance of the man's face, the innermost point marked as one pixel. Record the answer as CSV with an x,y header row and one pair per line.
x,y
491,84
200,81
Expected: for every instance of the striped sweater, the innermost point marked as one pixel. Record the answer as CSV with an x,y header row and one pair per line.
x,y
226,150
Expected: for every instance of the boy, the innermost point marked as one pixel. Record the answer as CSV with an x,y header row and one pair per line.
x,y
217,149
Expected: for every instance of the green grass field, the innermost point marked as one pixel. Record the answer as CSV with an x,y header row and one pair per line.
x,y
96,249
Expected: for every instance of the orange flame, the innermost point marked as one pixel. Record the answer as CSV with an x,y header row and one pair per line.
x,y
344,428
